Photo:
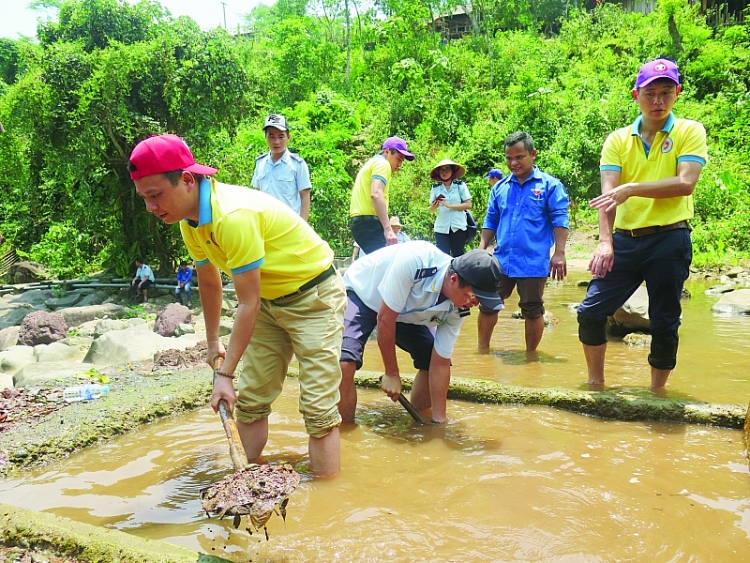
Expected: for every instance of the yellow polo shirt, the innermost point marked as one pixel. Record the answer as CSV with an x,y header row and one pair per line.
x,y
624,151
240,229
375,168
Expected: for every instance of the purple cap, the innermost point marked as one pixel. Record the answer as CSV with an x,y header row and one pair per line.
x,y
658,68
494,173
399,144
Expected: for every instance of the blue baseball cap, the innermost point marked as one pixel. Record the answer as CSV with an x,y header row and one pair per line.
x,y
494,173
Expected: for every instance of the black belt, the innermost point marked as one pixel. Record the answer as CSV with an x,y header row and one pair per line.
x,y
324,275
645,231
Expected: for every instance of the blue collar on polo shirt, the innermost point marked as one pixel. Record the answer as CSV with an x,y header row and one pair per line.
x,y
668,125
204,204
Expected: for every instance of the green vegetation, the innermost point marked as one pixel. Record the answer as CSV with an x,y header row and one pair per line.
x,y
108,73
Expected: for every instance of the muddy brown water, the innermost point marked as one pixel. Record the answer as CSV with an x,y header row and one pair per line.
x,y
500,483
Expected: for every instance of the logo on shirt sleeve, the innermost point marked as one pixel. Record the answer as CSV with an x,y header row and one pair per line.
x,y
667,146
423,273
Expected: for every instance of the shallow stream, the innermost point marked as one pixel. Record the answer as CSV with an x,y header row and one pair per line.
x,y
499,483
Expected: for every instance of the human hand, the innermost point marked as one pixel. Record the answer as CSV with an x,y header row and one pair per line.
x,y
215,350
391,384
223,389
602,260
390,236
610,200
558,267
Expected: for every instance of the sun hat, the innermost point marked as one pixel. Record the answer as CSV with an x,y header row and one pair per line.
x,y
458,170
395,221
658,68
276,121
482,270
494,173
164,153
398,144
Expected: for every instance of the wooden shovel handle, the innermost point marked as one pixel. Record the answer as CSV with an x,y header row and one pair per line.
x,y
236,451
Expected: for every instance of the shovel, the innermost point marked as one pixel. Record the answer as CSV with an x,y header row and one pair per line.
x,y
252,490
410,408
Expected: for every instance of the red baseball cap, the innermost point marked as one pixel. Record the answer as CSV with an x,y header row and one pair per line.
x,y
164,153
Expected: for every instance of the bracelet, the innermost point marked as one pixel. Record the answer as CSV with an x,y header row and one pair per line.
x,y
229,375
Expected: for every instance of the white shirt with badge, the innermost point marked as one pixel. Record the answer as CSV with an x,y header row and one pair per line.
x,y
283,179
408,278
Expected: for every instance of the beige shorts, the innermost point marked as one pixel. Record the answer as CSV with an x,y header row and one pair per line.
x,y
310,326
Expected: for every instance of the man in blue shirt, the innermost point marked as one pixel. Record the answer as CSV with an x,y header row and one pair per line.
x,y
184,282
281,173
527,213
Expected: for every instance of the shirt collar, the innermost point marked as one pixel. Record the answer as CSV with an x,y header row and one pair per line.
x,y
668,125
205,214
285,157
536,174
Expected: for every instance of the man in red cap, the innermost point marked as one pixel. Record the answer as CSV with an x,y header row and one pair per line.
x,y
648,171
371,227
290,298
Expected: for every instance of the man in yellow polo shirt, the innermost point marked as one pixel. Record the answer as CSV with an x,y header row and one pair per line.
x,y
291,299
648,172
371,227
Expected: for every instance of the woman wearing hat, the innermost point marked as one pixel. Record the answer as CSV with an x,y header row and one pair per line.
x,y
450,199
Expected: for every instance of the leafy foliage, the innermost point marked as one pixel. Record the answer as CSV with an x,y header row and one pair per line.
x,y
109,73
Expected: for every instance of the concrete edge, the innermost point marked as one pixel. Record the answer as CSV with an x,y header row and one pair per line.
x,y
87,543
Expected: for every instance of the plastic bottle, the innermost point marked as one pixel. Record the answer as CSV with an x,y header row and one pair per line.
x,y
86,392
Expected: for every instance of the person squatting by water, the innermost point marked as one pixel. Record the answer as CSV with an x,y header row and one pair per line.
x,y
291,300
527,212
649,170
370,225
282,173
450,199
407,290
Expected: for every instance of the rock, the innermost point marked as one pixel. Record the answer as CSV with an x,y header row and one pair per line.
x,y
34,297
6,380
121,346
637,339
734,272
70,299
58,352
170,318
185,328
13,314
632,316
550,319
734,303
225,327
15,357
719,289
9,337
27,272
75,316
41,327
228,306
91,297
39,373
